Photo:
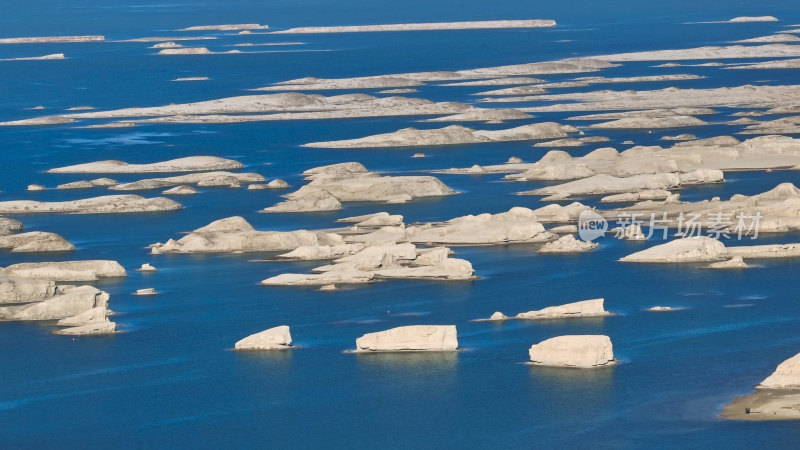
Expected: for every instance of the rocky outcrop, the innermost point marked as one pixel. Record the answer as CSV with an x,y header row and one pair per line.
x,y
189,164
73,302
608,184
579,351
777,397
9,226
585,308
90,270
452,135
693,249
89,317
277,338
473,25
384,261
568,244
93,329
786,375
414,338
734,263
109,204
35,241
21,290
181,190
311,200
235,235
146,267
205,179
347,182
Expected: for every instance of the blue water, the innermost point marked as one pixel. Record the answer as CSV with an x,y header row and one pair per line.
x,y
170,379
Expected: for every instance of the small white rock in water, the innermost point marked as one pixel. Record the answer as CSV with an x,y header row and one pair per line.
x,y
147,291
418,155
514,160
328,287
146,267
36,187
277,184
277,338
662,309
498,316
257,187
629,142
577,351
734,263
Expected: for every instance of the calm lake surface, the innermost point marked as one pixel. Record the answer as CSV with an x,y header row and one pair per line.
x,y
170,380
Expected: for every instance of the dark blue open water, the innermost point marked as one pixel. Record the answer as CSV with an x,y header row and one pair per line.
x,y
170,379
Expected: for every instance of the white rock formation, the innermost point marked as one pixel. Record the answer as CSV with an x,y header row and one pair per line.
x,y
377,261
206,179
413,338
277,184
585,308
189,164
21,290
692,249
145,292
108,204
146,267
51,39
277,338
181,190
73,302
90,270
35,241
734,263
93,329
451,135
90,316
310,200
227,27
36,187
580,351
473,25
9,226
234,235
786,375
568,244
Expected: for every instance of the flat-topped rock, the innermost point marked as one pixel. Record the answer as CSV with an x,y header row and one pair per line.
x,y
205,179
35,241
108,204
413,338
89,270
145,292
585,308
277,338
692,249
189,164
93,329
579,351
